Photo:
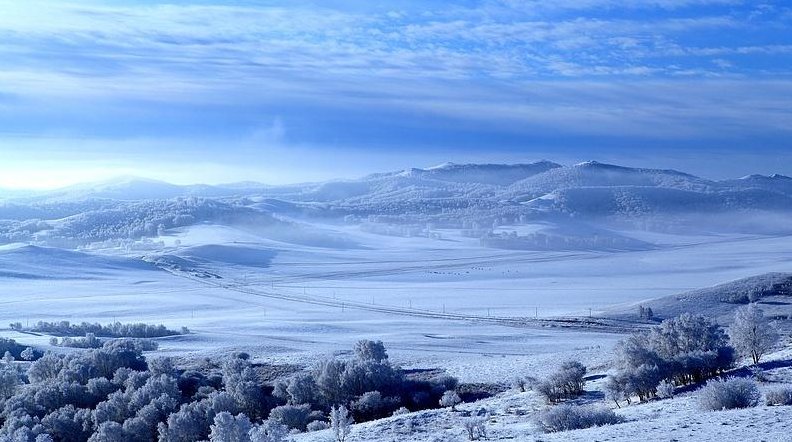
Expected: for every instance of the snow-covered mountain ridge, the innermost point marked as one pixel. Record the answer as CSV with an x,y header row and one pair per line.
x,y
471,197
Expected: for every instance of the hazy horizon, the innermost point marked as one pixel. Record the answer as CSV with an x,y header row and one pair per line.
x,y
142,175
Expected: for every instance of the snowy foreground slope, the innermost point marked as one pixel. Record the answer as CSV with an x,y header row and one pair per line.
x,y
511,416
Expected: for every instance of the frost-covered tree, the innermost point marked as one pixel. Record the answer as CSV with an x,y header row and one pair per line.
x,y
685,349
340,422
109,432
752,334
242,383
328,378
69,423
268,431
372,405
302,389
9,382
28,354
367,350
567,382
450,399
292,416
665,389
228,428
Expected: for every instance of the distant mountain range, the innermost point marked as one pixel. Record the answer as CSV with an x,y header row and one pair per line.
x,y
463,196
519,182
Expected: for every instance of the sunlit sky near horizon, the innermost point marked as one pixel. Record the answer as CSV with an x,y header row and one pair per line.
x,y
289,91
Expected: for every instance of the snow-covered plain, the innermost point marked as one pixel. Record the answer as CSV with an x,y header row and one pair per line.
x,y
288,303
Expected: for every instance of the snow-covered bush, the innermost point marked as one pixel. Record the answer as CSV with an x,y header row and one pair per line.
x,y
450,399
752,334
372,405
28,354
340,422
114,330
665,389
242,383
758,373
268,431
525,383
292,416
302,389
682,350
475,427
729,393
228,428
779,396
317,426
401,411
9,381
567,382
10,346
367,350
566,417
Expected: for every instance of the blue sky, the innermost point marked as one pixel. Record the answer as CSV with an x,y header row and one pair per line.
x,y
285,91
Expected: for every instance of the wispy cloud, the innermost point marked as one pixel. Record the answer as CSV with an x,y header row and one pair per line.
x,y
353,73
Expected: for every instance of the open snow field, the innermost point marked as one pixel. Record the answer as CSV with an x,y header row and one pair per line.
x,y
238,289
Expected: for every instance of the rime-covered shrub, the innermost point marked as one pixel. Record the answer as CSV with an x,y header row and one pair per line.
x,y
779,396
89,341
229,428
242,383
372,405
10,346
665,389
28,354
302,389
450,399
341,423
729,393
268,431
401,411
292,416
567,382
114,330
9,382
566,417
317,426
525,383
191,422
684,350
68,423
109,432
475,427
367,350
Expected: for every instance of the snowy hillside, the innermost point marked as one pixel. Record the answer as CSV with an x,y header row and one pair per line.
x,y
773,291
494,202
